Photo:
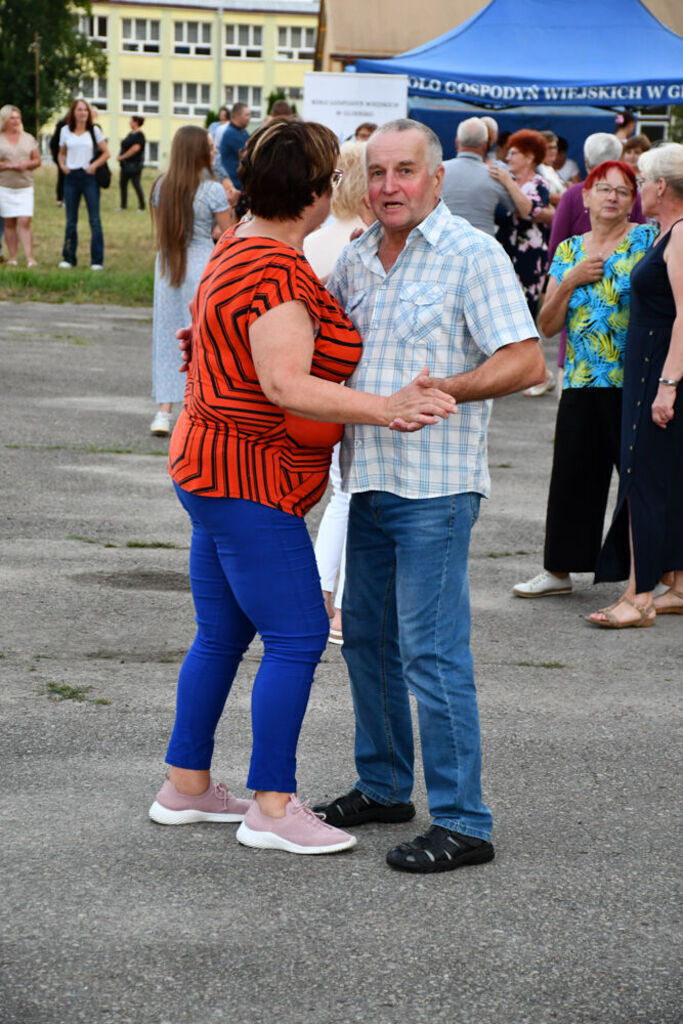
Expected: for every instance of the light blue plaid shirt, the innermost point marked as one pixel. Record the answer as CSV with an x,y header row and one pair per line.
x,y
449,302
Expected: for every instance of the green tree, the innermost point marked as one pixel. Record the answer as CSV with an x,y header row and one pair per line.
x,y
676,129
65,55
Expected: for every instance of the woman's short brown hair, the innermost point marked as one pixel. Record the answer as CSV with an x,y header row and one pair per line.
x,y
528,141
640,142
285,166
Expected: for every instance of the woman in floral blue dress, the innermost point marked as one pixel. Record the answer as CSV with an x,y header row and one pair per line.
x,y
589,293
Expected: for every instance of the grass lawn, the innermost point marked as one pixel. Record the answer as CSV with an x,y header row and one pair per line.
x,y
129,250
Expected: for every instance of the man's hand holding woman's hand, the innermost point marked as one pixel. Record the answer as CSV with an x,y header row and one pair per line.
x,y
418,405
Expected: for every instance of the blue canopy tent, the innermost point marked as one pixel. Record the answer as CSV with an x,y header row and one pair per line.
x,y
531,54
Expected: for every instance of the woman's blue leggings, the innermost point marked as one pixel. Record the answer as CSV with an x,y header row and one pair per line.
x,y
252,569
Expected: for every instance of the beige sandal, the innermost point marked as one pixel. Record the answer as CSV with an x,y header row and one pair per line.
x,y
648,614
673,609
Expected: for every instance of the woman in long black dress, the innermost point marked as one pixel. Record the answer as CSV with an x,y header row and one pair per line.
x,y
646,537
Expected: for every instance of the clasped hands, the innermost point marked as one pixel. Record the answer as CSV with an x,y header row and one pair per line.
x,y
414,406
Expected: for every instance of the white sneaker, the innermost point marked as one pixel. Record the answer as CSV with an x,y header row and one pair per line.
x,y
540,389
161,424
544,585
96,266
65,266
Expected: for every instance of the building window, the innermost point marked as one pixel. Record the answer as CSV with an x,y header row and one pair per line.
x,y
292,93
94,26
295,43
244,41
191,99
141,35
192,38
152,153
249,94
654,122
139,97
94,90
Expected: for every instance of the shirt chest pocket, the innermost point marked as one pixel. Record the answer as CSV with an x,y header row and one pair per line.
x,y
418,324
420,311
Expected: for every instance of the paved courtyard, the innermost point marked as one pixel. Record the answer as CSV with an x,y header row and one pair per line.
x,y
109,918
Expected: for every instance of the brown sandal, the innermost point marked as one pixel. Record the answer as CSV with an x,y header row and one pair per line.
x,y
673,609
648,614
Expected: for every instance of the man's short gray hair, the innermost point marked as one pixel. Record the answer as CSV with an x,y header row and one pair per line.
x,y
473,133
599,147
406,124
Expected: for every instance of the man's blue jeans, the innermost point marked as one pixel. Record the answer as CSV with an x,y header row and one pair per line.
x,y
406,615
76,184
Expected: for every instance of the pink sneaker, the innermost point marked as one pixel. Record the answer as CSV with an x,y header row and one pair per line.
x,y
216,804
300,831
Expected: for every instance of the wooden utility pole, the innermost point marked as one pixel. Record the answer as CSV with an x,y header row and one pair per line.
x,y
35,47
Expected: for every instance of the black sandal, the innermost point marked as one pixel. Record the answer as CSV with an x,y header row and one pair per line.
x,y
440,849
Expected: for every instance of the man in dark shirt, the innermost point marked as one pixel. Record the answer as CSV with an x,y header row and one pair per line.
x,y
233,140
132,159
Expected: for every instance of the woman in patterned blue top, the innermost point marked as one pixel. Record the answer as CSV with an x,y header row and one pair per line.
x,y
589,293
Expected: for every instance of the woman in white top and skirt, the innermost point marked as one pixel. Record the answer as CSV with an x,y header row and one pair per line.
x,y
350,213
19,156
78,163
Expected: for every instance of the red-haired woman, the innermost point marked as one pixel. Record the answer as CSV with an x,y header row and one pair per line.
x,y
589,293
524,233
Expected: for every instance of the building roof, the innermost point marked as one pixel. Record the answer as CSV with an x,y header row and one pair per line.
x,y
484,59
252,6
384,28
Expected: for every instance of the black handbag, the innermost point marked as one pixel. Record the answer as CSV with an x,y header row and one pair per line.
x,y
102,173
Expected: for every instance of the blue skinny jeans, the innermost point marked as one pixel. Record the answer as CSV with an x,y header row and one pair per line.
x,y
76,184
252,569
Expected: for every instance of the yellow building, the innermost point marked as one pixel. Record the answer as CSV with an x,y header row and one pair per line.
x,y
173,61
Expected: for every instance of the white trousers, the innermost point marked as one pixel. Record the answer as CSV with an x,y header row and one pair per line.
x,y
330,544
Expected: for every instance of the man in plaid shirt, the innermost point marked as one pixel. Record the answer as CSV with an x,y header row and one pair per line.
x,y
424,289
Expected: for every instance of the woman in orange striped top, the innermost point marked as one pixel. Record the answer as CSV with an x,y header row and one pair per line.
x,y
249,457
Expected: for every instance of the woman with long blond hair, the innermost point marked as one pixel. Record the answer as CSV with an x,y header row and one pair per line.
x,y
350,213
19,156
188,207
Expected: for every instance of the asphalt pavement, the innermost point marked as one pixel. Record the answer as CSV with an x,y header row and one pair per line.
x,y
109,918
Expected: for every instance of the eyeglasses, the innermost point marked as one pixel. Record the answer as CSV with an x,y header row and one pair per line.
x,y
603,189
335,180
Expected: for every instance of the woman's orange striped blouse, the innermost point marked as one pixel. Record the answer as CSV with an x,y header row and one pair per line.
x,y
230,440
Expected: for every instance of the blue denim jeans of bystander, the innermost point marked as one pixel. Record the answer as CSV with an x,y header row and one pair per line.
x,y
76,184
